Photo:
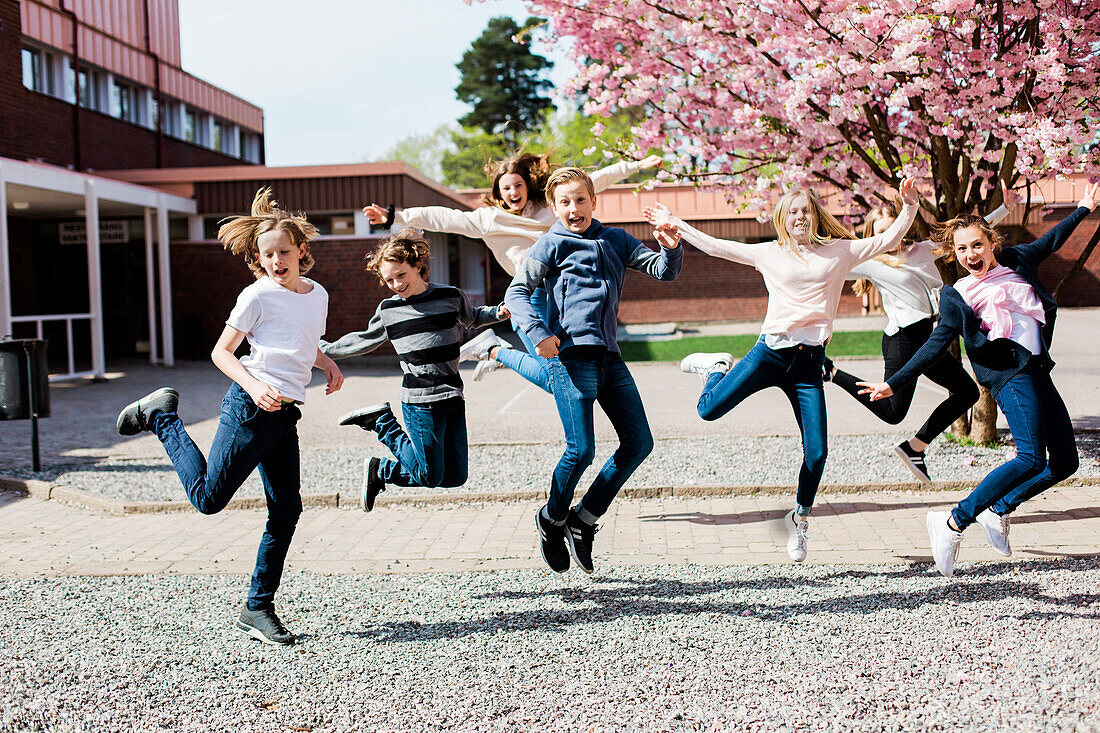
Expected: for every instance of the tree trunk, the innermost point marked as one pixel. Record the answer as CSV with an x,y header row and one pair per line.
x,y
983,418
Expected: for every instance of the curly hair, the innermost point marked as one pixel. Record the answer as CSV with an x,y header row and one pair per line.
x,y
239,234
408,246
944,235
534,169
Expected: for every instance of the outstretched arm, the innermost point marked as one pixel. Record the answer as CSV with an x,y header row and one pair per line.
x,y
357,343
745,254
474,224
865,249
946,331
612,174
1046,245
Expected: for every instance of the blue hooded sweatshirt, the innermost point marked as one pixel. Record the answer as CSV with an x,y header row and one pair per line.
x,y
583,275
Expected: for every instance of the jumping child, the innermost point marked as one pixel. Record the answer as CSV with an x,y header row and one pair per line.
x,y
909,282
804,273
1005,316
514,214
282,315
581,265
421,320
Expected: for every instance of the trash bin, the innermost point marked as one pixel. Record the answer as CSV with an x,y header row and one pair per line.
x,y
16,373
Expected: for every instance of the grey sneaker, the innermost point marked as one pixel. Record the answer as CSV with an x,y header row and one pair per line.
x,y
138,416
477,348
485,367
366,417
798,535
265,626
373,484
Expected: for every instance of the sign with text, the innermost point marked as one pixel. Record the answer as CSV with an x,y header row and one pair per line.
x,y
110,232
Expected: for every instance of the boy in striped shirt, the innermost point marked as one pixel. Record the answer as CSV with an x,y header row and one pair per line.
x,y
421,320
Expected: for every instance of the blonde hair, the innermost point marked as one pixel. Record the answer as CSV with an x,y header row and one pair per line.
x,y
944,235
239,234
534,169
891,259
825,227
407,246
567,175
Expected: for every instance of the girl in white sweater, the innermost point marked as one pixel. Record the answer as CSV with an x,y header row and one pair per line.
x,y
514,215
804,272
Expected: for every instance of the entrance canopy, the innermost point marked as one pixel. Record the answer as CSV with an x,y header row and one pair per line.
x,y
39,191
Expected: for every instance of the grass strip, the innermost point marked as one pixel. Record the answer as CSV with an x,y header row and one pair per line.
x,y
843,343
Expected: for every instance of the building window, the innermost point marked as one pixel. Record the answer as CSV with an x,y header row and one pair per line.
x,y
250,147
88,83
189,126
124,103
33,76
221,140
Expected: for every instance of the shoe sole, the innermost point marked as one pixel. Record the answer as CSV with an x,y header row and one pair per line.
x,y
573,552
538,528
923,477
930,524
381,409
136,403
257,634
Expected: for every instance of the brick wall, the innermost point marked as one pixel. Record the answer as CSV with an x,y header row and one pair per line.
x,y
1084,289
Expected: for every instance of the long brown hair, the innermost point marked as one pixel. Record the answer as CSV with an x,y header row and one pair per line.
x,y
534,169
238,234
944,234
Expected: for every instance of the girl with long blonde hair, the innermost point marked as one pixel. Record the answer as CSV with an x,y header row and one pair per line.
x,y
804,270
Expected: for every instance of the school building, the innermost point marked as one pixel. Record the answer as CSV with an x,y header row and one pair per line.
x,y
116,166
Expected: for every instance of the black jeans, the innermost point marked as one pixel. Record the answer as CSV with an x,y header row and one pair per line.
x,y
945,371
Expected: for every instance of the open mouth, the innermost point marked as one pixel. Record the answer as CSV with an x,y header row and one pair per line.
x,y
576,220
975,266
282,271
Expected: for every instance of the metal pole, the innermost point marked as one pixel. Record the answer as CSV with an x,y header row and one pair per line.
x,y
33,394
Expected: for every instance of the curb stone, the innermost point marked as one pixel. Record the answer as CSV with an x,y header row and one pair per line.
x,y
46,491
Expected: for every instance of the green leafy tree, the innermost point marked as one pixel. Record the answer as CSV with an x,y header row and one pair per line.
x,y
423,151
463,165
503,80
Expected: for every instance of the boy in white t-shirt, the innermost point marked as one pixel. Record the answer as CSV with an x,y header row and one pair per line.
x,y
282,315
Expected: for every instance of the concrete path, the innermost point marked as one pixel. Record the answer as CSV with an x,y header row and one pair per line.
x,y
50,538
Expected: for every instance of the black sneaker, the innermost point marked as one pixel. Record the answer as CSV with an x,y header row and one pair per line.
x,y
138,416
914,460
552,543
827,370
265,626
366,417
579,535
373,485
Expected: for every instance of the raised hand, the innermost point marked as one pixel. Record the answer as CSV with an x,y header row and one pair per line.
x,y
375,214
1092,193
657,214
908,190
667,235
1009,198
652,161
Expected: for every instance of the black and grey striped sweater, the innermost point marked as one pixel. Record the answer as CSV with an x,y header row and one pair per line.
x,y
425,334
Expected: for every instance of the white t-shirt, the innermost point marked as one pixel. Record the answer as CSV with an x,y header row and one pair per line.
x,y
910,290
284,329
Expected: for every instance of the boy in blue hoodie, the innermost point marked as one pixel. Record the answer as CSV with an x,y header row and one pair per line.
x,y
582,265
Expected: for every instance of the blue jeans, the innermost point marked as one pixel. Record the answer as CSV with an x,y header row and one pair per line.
x,y
1046,451
247,438
433,452
795,370
581,376
530,365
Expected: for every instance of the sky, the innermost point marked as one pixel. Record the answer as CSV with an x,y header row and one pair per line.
x,y
340,81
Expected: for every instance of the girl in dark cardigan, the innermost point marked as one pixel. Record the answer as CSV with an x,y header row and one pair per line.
x,y
1006,318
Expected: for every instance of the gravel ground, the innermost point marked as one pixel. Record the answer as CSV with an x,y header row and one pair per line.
x,y
721,461
1005,646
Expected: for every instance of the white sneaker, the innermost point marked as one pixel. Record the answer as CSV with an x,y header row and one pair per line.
x,y
484,367
798,534
477,348
944,540
996,531
703,363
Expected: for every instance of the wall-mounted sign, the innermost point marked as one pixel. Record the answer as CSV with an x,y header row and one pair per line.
x,y
110,232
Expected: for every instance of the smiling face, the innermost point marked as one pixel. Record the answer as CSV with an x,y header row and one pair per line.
x,y
513,191
800,219
402,278
973,251
574,205
279,257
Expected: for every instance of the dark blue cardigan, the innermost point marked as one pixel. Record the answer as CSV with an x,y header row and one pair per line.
x,y
997,361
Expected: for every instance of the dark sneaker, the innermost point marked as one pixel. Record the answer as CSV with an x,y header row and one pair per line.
x,y
265,626
366,417
827,370
580,534
914,460
138,416
552,543
373,485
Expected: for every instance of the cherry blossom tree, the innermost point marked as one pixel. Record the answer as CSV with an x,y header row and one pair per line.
x,y
756,96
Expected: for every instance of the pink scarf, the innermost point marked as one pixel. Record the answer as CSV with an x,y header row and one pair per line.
x,y
996,296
